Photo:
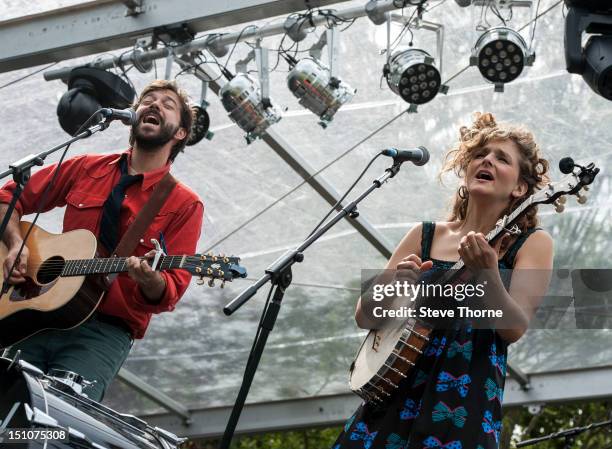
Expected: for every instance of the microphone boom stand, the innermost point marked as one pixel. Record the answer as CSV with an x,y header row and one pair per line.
x,y
21,174
280,276
569,435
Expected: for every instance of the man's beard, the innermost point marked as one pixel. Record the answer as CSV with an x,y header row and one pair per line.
x,y
150,143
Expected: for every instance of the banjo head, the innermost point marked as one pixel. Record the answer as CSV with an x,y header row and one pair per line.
x,y
386,357
374,352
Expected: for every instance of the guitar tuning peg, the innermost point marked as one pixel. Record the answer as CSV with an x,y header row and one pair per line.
x,y
586,188
200,281
211,283
558,206
562,200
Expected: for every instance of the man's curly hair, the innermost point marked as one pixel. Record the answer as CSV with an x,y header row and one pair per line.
x,y
185,109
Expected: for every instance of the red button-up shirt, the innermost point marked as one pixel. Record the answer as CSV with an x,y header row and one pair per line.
x,y
82,185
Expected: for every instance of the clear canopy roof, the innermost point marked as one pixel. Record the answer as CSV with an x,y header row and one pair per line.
x,y
196,353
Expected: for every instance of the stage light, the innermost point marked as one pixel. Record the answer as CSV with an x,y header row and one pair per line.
x,y
312,84
501,54
412,75
241,97
598,65
200,126
594,61
90,89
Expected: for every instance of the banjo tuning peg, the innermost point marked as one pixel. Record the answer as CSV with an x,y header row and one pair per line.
x,y
582,198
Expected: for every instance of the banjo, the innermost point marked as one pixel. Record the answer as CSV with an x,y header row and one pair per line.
x,y
387,355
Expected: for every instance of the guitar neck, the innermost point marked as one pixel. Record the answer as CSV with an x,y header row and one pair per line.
x,y
83,267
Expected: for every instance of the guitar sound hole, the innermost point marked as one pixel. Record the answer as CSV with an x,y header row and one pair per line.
x,y
50,270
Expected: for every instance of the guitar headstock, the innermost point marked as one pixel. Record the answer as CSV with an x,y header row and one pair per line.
x,y
224,268
575,183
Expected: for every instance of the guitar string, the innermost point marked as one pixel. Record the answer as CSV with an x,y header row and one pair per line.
x,y
53,266
188,259
111,268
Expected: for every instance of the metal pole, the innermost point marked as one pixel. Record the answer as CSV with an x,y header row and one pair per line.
x,y
217,41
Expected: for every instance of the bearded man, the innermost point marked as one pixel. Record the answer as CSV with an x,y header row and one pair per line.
x,y
104,193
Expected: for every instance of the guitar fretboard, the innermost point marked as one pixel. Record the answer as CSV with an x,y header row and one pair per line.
x,y
82,267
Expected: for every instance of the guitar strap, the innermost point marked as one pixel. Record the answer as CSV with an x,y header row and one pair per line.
x,y
128,242
95,285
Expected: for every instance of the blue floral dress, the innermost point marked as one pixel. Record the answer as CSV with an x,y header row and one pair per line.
x,y
453,397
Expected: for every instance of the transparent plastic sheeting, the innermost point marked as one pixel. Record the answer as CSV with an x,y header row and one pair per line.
x,y
196,354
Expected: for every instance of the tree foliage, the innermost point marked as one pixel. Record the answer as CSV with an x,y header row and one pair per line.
x,y
519,424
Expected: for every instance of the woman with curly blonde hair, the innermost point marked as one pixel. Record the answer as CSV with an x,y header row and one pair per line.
x,y
452,398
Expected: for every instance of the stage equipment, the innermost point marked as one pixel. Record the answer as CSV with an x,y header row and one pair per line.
x,y
141,62
568,435
313,84
57,404
248,101
413,76
279,275
90,89
593,60
412,73
242,99
374,13
216,47
201,119
201,123
418,156
297,27
500,54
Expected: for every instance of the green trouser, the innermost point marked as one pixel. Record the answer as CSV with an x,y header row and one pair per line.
x,y
95,350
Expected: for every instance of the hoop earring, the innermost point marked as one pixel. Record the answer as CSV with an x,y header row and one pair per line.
x,y
463,193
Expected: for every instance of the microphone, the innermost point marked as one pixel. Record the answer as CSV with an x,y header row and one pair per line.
x,y
127,116
418,156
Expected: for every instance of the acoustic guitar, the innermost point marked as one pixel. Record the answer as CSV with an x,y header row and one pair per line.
x,y
56,270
